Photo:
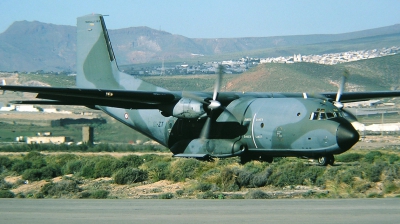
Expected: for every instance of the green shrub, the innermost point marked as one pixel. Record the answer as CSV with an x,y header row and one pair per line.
x,y
179,192
207,195
393,158
61,160
227,180
6,194
100,194
243,178
51,171
373,172
392,172
348,157
183,168
87,171
33,155
371,156
129,175
85,194
237,196
132,160
32,174
105,167
261,179
20,195
166,196
72,167
4,185
390,187
63,187
38,163
203,187
374,195
5,162
158,170
20,166
257,194
297,173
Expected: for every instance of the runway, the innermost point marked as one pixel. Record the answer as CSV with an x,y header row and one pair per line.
x,y
200,211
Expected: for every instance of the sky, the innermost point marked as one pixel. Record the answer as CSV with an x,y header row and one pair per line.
x,y
213,18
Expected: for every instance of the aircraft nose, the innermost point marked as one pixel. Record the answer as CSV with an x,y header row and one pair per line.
x,y
346,136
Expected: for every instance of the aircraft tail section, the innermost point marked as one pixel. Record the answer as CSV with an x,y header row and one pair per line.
x,y
96,63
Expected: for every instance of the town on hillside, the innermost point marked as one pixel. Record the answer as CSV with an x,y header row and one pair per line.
x,y
243,64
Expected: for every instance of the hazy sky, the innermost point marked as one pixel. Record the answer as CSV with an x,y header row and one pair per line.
x,y
213,18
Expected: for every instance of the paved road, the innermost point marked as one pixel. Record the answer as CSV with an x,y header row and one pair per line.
x,y
200,211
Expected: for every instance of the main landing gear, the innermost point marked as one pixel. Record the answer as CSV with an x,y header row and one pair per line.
x,y
327,159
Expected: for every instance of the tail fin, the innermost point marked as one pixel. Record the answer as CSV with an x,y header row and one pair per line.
x,y
96,64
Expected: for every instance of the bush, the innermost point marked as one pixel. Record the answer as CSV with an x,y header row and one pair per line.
x,y
129,175
6,194
207,195
373,172
62,160
371,156
132,160
158,171
5,185
100,194
106,166
33,155
348,157
51,171
393,158
203,187
374,195
5,162
257,194
32,174
72,167
166,196
183,168
64,187
390,187
20,166
261,179
295,174
228,180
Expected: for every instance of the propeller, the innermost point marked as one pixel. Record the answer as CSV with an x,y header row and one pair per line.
x,y
337,102
213,104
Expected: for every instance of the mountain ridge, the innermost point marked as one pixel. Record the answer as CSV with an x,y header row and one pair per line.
x,y
32,46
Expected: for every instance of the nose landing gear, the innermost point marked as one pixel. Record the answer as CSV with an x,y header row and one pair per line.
x,y
327,159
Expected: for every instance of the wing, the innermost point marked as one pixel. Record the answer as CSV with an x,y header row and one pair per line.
x,y
91,97
362,96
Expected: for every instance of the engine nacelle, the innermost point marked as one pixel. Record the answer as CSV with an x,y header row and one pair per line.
x,y
188,108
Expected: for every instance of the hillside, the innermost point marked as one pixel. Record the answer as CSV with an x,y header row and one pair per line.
x,y
366,75
32,46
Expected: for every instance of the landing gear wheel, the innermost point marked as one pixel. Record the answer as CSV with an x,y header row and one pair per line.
x,y
325,160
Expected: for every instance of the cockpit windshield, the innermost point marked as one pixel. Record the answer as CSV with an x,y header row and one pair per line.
x,y
321,114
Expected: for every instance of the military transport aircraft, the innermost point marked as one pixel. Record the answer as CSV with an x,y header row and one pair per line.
x,y
204,125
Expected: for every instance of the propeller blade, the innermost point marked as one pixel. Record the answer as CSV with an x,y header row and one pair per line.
x,y
342,85
205,131
193,96
218,82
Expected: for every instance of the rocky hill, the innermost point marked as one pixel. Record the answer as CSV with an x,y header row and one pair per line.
x,y
32,46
